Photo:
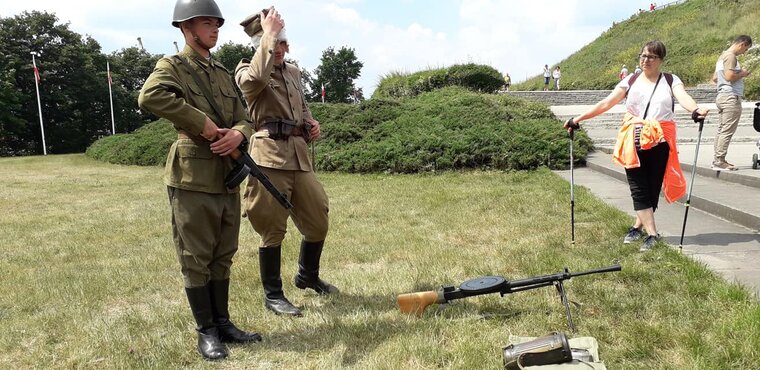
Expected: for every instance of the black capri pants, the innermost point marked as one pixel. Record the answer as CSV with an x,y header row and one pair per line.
x,y
646,181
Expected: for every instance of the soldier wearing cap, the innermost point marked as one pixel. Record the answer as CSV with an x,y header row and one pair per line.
x,y
283,127
197,95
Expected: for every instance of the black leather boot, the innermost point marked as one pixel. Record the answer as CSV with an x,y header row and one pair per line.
x,y
308,269
209,344
274,298
228,332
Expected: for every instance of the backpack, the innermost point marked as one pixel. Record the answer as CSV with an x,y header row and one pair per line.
x,y
668,78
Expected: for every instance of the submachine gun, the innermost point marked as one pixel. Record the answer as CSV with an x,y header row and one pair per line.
x,y
246,166
417,302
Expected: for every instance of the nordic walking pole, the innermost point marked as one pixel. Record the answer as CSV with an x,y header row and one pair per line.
x,y
571,132
701,122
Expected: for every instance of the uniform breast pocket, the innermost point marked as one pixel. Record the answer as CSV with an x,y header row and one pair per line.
x,y
230,97
196,98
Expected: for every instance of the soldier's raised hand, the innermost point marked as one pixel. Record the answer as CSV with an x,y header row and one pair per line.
x,y
271,22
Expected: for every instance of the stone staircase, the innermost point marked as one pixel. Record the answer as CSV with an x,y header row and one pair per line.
x,y
588,97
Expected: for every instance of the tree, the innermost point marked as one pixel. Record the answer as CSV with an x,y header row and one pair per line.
x,y
130,67
229,55
73,87
337,72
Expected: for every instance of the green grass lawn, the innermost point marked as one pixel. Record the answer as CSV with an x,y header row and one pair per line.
x,y
90,279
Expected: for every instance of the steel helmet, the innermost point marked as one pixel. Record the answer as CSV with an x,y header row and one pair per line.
x,y
189,9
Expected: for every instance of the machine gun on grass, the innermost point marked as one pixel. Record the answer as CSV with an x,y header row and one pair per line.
x,y
417,302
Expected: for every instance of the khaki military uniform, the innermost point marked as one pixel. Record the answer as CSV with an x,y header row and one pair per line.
x,y
205,214
272,93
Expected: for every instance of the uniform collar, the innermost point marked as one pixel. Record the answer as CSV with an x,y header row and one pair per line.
x,y
192,54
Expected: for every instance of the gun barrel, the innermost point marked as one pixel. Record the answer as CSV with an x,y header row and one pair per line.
x,y
417,302
540,281
263,179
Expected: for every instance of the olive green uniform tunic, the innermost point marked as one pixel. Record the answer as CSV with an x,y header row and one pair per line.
x,y
205,214
275,92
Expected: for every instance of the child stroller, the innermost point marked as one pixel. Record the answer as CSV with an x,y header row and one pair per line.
x,y
756,125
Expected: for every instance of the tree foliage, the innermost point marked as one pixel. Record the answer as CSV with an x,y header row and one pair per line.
x,y
337,72
229,55
72,90
73,86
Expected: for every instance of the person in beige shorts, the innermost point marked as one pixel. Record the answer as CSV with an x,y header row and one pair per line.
x,y
283,126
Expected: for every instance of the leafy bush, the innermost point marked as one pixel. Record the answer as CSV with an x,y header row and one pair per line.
x,y
474,77
449,128
147,146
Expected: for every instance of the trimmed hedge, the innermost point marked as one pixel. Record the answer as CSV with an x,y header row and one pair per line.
x,y
474,77
447,129
146,146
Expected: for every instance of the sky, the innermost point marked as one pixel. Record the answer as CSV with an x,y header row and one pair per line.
x,y
514,36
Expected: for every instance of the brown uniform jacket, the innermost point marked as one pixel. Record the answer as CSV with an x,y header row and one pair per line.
x,y
274,92
172,93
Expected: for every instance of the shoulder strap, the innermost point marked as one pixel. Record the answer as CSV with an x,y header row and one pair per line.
x,y
669,80
650,96
202,86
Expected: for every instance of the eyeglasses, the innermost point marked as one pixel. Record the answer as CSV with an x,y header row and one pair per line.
x,y
648,57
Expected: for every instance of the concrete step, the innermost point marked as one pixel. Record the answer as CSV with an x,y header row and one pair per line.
x,y
606,135
585,97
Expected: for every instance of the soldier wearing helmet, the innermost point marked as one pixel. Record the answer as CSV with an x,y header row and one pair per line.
x,y
196,93
284,125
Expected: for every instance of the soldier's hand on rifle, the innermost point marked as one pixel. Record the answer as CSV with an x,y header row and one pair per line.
x,y
229,140
209,130
271,22
315,132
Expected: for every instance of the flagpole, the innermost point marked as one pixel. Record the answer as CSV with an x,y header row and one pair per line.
x,y
39,104
110,97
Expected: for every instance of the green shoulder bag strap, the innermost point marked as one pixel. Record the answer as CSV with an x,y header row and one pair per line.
x,y
206,93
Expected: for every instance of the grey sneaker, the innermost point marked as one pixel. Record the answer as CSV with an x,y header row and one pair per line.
x,y
649,242
633,235
720,166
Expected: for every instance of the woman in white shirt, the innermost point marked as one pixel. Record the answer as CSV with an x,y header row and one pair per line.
x,y
556,75
646,141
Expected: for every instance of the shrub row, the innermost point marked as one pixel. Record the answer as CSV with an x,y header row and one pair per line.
x,y
474,77
146,146
447,129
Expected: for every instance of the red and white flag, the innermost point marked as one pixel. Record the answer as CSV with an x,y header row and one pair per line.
x,y
108,68
36,72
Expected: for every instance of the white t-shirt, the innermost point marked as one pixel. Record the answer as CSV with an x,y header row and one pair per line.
x,y
556,74
661,107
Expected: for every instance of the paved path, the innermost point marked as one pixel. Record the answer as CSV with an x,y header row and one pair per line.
x,y
724,220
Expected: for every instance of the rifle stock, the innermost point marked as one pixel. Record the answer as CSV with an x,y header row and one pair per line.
x,y
416,303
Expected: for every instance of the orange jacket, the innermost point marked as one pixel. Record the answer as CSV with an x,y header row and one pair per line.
x,y
652,133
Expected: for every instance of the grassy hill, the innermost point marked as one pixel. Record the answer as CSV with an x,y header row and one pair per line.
x,y
694,32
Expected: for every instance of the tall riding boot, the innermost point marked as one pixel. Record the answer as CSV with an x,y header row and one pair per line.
x,y
228,332
308,269
274,298
209,344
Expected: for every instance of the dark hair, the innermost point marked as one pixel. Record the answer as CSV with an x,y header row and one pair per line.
x,y
743,39
655,47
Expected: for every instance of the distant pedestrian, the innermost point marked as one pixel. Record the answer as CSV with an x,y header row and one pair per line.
x,y
637,70
547,76
729,76
556,75
651,7
646,145
623,72
507,81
